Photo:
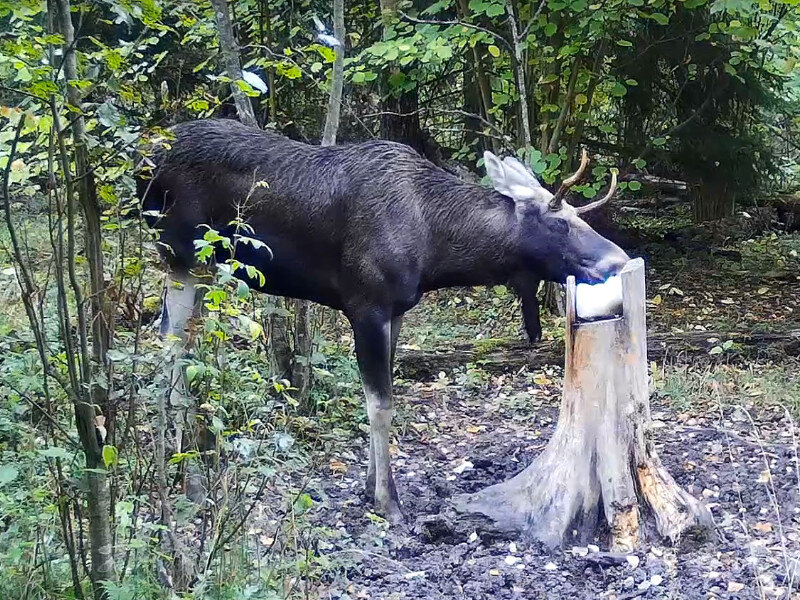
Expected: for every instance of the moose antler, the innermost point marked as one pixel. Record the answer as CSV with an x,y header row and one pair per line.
x,y
598,203
555,203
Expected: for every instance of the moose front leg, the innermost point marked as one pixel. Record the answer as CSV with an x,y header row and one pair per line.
x,y
181,304
373,339
527,287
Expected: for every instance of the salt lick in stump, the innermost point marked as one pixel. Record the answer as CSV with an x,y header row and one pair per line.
x,y
600,471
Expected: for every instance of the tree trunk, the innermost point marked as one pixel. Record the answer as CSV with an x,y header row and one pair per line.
x,y
305,312
555,138
230,54
575,138
337,78
98,496
553,298
483,88
279,325
601,462
265,27
712,201
522,88
400,113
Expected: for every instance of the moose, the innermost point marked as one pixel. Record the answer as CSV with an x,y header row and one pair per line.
x,y
366,229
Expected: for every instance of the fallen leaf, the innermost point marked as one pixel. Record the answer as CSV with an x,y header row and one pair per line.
x,y
337,466
735,586
763,527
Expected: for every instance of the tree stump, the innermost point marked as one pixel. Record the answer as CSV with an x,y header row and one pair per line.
x,y
601,459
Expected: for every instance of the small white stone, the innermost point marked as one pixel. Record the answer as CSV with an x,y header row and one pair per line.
x,y
415,575
593,549
656,580
645,585
473,537
633,560
735,586
551,566
465,465
512,560
579,551
512,547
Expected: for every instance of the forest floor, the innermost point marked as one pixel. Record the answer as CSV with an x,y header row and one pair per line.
x,y
724,424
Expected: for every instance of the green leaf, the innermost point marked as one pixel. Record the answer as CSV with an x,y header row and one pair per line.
x,y
659,141
55,452
634,185
716,350
640,163
619,89
550,29
494,51
624,43
193,371
110,456
8,473
659,18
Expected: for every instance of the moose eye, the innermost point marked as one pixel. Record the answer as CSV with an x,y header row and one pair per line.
x,y
557,225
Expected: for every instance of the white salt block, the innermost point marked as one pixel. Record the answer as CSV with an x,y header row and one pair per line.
x,y
599,300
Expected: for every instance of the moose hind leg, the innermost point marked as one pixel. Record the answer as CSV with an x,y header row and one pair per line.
x,y
527,286
373,349
397,323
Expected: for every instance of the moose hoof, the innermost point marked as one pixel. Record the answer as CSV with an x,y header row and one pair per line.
x,y
534,337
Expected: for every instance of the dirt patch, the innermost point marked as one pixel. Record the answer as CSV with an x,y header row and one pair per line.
x,y
746,474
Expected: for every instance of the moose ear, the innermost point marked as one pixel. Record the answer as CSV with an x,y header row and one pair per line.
x,y
522,172
496,172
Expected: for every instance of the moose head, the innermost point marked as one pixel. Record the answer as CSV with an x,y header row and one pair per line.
x,y
553,239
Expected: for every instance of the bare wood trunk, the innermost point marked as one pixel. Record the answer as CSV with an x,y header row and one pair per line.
x,y
603,441
519,67
337,78
575,138
555,138
265,26
553,298
230,54
98,496
301,361
482,79
305,312
510,356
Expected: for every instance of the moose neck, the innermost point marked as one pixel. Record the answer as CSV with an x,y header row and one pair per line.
x,y
473,234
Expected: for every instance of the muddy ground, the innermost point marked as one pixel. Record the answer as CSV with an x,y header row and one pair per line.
x,y
746,474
